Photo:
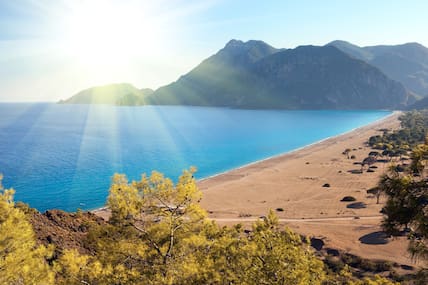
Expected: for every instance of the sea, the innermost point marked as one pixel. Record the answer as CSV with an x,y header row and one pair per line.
x,y
63,156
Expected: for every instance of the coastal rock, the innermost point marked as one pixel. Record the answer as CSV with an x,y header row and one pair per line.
x,y
64,230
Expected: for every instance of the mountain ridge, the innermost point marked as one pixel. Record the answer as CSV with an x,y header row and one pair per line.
x,y
406,63
281,79
255,75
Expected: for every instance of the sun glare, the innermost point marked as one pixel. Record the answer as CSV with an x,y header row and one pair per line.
x,y
102,33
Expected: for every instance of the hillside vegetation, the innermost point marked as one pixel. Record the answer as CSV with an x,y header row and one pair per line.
x,y
158,234
406,188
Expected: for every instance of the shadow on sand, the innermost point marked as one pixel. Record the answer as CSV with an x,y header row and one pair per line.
x,y
375,238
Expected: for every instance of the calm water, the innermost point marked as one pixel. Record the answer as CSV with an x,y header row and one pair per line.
x,y
63,156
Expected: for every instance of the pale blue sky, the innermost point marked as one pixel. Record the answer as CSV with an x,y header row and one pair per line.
x,y
51,49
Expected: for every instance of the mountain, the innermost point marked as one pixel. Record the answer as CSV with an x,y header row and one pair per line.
x,y
419,105
122,94
406,63
255,75
220,80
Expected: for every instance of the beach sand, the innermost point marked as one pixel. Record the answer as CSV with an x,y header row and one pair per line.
x,y
292,185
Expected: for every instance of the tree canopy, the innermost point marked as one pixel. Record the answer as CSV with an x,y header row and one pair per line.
x,y
159,234
21,260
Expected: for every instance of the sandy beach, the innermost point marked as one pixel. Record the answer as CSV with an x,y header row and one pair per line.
x,y
294,181
293,185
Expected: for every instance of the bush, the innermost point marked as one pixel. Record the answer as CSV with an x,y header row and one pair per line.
x,y
279,209
326,185
384,266
348,199
368,265
335,264
351,260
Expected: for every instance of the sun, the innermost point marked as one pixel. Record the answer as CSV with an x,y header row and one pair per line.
x,y
100,32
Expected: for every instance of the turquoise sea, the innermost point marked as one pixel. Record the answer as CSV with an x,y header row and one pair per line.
x,y
63,156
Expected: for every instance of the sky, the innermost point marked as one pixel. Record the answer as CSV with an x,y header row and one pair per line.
x,y
52,49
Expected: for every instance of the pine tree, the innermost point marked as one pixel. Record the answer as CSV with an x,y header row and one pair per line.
x,y
21,261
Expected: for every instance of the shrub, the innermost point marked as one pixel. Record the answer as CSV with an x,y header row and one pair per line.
x,y
335,264
384,266
368,265
351,260
348,199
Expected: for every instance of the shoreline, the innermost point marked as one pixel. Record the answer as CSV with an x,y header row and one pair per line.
x,y
284,155
379,121
292,164
281,155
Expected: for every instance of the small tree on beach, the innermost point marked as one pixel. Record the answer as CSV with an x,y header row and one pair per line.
x,y
370,160
346,152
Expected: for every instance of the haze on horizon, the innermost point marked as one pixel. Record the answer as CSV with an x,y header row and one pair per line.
x,y
52,49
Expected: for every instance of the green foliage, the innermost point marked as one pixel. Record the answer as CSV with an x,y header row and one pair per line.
x,y
407,206
413,132
278,256
345,277
159,234
21,261
124,200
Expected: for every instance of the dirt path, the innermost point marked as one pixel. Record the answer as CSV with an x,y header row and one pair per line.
x,y
282,220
